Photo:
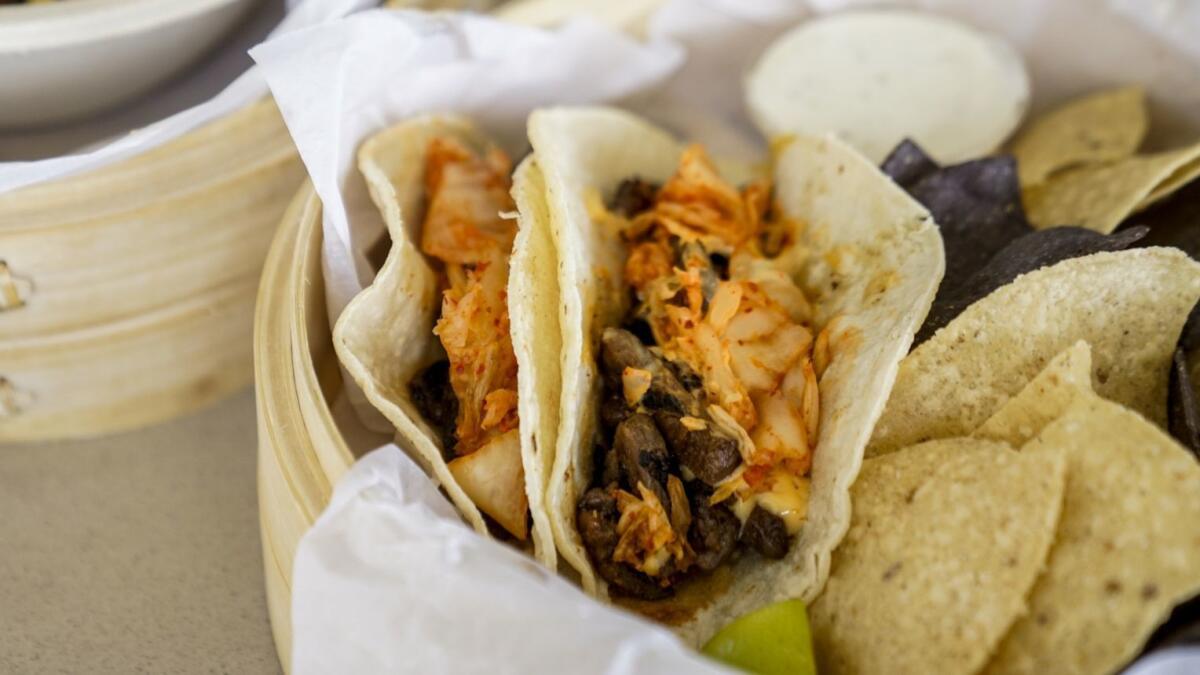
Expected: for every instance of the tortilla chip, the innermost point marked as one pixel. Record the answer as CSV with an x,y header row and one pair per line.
x,y
946,541
1033,251
874,259
1100,196
976,206
1043,400
1183,399
385,337
1128,305
1183,176
1101,127
1127,548
1175,221
908,163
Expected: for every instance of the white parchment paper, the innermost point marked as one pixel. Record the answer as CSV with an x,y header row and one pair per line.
x,y
338,83
388,580
391,581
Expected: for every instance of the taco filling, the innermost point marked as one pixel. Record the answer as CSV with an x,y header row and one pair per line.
x,y
470,398
709,405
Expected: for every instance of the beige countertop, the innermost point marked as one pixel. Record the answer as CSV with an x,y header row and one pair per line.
x,y
135,553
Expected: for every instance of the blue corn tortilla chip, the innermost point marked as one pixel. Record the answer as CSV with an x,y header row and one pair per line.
x,y
1175,221
976,205
1038,249
988,240
1183,407
908,164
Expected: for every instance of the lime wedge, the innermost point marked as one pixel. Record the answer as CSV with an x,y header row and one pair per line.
x,y
774,639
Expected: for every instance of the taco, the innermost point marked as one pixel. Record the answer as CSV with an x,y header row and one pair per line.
x,y
431,341
725,353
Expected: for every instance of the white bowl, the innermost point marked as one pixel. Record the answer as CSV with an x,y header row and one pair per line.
x,y
65,60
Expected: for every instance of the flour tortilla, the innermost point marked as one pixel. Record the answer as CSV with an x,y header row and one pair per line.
x,y
1127,548
385,335
874,259
1129,306
946,541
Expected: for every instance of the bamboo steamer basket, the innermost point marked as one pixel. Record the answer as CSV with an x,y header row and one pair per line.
x,y
127,293
301,453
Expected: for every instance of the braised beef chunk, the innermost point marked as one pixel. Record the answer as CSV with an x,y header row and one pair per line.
x,y
613,409
643,456
687,377
597,517
620,349
766,533
640,329
707,453
597,520
714,530
605,465
434,398
633,196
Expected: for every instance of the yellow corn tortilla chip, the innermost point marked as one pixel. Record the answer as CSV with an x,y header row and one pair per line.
x,y
1100,127
1127,548
384,337
946,540
1100,196
1182,176
1129,306
1043,399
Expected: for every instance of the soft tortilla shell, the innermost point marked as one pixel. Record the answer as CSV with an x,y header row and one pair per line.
x,y
1127,548
385,335
1129,306
946,541
537,341
874,261
1100,127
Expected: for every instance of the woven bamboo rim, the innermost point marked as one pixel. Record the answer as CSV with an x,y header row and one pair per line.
x,y
301,454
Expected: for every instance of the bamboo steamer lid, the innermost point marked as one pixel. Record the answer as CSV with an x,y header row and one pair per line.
x,y
127,293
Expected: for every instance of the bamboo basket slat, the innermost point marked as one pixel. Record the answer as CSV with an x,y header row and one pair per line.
x,y
188,162
301,453
127,293
152,368
283,516
314,362
134,262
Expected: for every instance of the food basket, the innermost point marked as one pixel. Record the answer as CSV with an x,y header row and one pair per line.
x,y
127,292
303,451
